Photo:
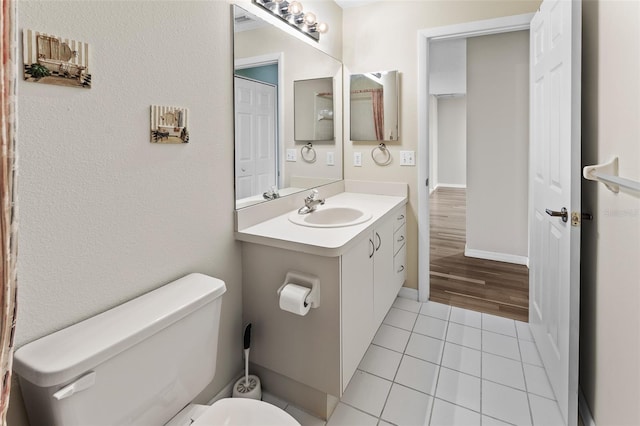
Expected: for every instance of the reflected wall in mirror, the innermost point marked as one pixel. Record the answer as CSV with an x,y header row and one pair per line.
x,y
374,106
267,64
313,109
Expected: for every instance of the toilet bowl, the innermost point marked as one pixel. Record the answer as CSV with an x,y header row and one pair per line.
x,y
244,412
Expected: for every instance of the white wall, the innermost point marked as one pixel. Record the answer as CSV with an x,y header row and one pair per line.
x,y
610,293
105,215
498,143
452,141
448,67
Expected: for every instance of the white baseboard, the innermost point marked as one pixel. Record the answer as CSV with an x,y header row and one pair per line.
x,y
451,185
408,293
584,410
500,257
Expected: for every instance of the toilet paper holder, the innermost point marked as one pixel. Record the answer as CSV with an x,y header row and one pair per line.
x,y
304,280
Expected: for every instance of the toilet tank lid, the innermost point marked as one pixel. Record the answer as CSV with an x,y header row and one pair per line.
x,y
62,356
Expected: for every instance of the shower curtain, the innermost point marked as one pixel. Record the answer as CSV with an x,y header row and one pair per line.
x,y
8,225
378,113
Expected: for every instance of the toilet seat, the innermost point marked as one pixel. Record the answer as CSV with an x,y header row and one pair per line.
x,y
244,412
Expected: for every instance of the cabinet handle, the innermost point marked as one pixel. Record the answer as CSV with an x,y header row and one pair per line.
x,y
401,238
401,268
401,217
379,241
373,250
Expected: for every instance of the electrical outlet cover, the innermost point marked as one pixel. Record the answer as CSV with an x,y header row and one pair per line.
x,y
292,155
357,159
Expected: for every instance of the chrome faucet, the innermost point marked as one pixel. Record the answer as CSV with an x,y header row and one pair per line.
x,y
272,194
311,203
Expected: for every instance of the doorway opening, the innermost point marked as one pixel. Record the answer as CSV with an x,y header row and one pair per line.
x,y
478,178
427,103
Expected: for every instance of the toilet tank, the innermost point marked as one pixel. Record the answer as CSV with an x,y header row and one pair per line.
x,y
138,363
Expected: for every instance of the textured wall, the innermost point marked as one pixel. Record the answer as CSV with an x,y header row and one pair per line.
x,y
610,294
452,141
106,215
498,143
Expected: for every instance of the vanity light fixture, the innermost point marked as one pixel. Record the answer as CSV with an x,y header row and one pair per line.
x,y
293,14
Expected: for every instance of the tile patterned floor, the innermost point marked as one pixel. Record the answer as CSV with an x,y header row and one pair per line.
x,y
432,364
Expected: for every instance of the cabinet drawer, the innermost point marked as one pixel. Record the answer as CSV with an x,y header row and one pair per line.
x,y
401,218
399,238
400,267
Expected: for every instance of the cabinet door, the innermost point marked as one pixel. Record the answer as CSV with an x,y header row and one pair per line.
x,y
356,305
385,289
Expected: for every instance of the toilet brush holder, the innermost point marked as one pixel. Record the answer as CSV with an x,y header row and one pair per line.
x,y
247,386
248,389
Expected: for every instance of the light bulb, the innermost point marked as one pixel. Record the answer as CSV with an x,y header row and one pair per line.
x,y
322,27
309,18
295,8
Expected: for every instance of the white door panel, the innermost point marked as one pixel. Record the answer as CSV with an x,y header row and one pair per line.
x,y
555,183
255,122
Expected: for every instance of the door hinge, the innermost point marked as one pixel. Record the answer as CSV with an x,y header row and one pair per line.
x,y
427,182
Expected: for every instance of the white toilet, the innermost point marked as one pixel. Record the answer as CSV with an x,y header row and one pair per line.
x,y
140,363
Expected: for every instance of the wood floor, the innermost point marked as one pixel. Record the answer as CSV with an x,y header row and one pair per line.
x,y
482,285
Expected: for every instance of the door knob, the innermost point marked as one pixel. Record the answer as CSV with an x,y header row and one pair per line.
x,y
563,213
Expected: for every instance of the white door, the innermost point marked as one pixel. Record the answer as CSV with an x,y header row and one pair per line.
x,y
255,106
554,251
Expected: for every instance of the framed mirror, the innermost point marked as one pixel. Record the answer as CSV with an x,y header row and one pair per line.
x,y
288,136
373,103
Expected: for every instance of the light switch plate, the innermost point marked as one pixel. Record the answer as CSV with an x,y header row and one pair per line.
x,y
330,158
292,155
407,158
357,159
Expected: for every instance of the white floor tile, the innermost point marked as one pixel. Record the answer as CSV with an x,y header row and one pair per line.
x,y
418,374
430,326
447,414
505,403
524,332
499,344
383,423
529,353
400,318
466,317
460,358
381,361
537,381
367,393
545,412
437,310
490,421
465,336
499,325
304,418
459,388
274,400
345,415
392,338
407,304
425,347
502,370
407,407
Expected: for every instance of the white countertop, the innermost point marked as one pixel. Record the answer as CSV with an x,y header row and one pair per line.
x,y
280,232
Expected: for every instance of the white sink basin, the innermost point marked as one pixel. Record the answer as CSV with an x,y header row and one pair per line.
x,y
331,217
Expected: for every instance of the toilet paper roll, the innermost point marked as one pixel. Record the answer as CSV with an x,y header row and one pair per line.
x,y
292,297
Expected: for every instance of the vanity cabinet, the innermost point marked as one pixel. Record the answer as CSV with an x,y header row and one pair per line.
x,y
372,273
309,360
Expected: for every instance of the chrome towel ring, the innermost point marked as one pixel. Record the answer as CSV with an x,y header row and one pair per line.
x,y
308,153
386,153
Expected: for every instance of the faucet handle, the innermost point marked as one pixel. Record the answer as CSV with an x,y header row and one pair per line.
x,y
314,194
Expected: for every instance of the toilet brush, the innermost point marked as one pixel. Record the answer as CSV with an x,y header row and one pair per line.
x,y
249,385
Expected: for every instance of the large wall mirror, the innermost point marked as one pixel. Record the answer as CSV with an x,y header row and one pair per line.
x,y
288,133
374,106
